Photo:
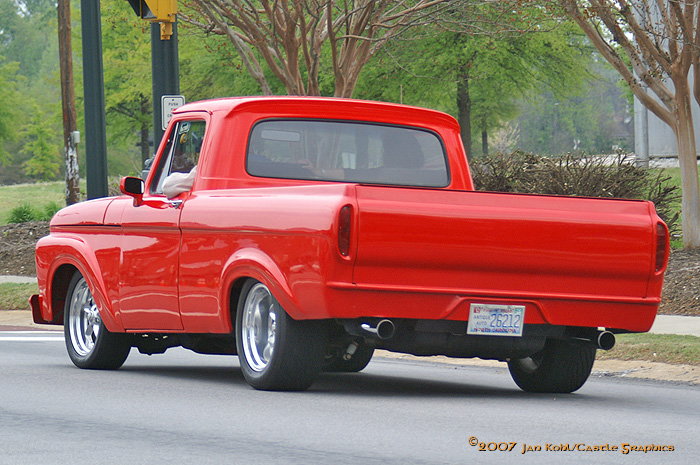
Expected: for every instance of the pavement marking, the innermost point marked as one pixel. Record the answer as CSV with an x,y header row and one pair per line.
x,y
30,336
29,332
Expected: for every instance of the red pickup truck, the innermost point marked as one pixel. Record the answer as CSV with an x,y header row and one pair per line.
x,y
318,230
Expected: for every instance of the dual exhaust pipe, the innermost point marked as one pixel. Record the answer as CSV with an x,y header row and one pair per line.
x,y
383,329
604,340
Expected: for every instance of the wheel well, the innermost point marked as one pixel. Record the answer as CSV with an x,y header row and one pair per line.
x,y
234,295
59,289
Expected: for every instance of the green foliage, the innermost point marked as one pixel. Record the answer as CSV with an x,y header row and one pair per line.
x,y
421,67
596,120
39,194
24,34
9,108
208,68
39,145
23,213
50,210
28,74
497,70
577,175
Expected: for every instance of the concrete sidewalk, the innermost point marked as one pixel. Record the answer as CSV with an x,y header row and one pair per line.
x,y
17,279
676,324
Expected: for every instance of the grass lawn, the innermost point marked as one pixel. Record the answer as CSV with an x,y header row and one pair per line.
x,y
16,296
37,195
665,348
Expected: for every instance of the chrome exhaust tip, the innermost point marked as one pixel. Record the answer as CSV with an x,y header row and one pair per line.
x,y
384,330
605,340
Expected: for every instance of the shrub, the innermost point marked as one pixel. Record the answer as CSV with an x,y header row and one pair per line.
x,y
50,210
113,186
23,214
611,177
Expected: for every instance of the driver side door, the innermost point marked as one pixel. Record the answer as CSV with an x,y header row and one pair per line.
x,y
151,236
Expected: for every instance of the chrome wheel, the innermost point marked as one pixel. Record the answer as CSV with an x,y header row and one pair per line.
x,y
259,327
276,352
89,343
84,321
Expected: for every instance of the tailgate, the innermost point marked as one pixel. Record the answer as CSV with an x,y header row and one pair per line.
x,y
504,245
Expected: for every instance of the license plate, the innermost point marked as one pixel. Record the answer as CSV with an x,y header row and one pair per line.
x,y
496,320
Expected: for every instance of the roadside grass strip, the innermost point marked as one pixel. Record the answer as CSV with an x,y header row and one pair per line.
x,y
664,348
37,195
15,296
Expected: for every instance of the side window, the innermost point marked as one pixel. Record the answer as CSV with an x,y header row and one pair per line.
x,y
181,152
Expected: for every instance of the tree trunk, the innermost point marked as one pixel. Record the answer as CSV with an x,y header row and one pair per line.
x,y
464,109
346,78
65,52
687,158
484,140
654,40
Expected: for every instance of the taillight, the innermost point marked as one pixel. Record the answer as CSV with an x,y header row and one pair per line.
x,y
344,230
661,245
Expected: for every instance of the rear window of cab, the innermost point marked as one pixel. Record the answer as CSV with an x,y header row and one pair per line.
x,y
347,151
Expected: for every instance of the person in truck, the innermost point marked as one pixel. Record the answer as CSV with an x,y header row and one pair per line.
x,y
184,161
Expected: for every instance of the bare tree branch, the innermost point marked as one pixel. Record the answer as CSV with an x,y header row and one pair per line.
x,y
289,36
655,42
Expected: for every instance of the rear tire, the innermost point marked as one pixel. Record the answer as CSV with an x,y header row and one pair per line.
x,y
561,367
88,342
276,352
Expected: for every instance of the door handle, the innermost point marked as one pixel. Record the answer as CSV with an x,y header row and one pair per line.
x,y
175,203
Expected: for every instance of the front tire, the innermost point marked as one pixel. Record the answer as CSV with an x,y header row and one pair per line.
x,y
561,367
276,352
88,342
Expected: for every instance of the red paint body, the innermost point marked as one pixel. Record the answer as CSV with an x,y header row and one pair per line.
x,y
419,253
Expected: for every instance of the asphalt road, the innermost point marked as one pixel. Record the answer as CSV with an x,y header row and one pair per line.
x,y
184,408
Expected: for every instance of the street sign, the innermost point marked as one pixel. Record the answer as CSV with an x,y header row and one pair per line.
x,y
168,103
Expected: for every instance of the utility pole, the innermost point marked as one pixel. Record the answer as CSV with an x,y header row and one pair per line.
x,y
165,71
70,130
94,90
165,68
